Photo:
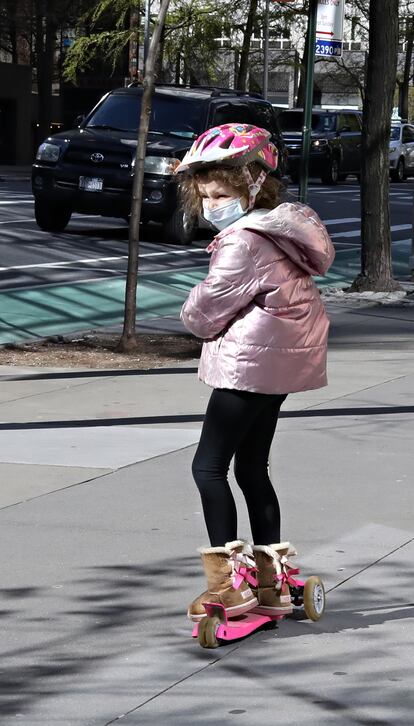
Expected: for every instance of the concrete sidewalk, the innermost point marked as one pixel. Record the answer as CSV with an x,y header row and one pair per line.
x,y
100,523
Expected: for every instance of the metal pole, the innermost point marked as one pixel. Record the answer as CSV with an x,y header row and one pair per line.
x,y
147,30
266,51
307,116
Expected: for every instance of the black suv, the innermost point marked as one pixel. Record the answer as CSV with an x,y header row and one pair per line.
x,y
335,149
90,169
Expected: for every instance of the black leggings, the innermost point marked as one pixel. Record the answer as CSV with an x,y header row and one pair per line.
x,y
239,424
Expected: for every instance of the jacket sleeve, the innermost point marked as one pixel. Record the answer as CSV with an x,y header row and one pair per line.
x,y
232,282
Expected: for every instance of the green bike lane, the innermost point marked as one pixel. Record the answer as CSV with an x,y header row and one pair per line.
x,y
61,309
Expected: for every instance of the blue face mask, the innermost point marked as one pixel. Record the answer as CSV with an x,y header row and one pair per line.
x,y
222,216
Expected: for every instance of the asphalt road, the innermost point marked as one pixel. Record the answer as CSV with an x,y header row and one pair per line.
x,y
83,268
91,247
95,248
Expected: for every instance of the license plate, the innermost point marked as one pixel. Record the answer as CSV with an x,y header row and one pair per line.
x,y
90,183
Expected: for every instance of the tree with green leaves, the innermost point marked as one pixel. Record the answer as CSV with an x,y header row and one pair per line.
x,y
187,49
103,31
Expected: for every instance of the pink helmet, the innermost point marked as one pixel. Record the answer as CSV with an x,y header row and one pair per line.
x,y
232,144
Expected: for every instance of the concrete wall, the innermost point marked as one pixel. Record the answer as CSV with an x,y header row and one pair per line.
x,y
16,114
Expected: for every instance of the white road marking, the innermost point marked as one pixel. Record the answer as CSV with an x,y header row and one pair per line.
x,y
357,232
15,221
333,191
21,201
89,260
342,220
347,249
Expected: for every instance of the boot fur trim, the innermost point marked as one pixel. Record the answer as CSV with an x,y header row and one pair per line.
x,y
214,550
268,550
235,543
272,548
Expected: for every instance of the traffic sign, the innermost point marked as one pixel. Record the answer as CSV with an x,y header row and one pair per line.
x,y
328,48
330,19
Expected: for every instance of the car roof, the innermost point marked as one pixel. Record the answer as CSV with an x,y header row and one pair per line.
x,y
199,92
325,111
187,92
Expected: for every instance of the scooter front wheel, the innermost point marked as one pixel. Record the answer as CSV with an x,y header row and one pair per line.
x,y
207,632
314,597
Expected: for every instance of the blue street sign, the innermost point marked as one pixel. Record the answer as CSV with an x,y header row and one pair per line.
x,y
328,48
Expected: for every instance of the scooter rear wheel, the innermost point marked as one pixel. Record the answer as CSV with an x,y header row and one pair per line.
x,y
207,631
314,597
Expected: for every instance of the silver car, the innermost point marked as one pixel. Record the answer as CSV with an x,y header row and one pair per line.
x,y
401,151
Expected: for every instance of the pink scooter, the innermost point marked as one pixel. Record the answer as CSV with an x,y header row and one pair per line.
x,y
217,628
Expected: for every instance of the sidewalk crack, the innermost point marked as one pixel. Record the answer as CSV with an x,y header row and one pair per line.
x,y
171,686
371,564
52,390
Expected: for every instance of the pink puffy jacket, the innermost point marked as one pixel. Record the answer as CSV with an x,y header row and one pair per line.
x,y
258,310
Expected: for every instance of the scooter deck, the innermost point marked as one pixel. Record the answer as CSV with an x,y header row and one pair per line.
x,y
238,627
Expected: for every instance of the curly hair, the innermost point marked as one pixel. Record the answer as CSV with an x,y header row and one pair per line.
x,y
269,196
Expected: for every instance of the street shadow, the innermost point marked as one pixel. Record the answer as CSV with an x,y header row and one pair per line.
x,y
196,418
99,373
105,608
111,611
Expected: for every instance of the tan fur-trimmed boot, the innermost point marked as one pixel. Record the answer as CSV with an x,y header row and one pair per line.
x,y
227,571
272,568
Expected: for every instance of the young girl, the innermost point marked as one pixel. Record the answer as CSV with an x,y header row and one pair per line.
x,y
265,332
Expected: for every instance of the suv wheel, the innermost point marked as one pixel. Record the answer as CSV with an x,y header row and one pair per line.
x,y
51,217
331,175
180,228
398,174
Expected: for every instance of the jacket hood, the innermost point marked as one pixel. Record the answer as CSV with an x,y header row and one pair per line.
x,y
297,230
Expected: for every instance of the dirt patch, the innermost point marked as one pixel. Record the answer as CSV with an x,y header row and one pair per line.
x,y
96,350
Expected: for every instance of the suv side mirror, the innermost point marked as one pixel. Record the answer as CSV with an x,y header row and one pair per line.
x,y
80,118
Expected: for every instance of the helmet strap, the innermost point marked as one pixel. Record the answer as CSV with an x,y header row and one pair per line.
x,y
253,186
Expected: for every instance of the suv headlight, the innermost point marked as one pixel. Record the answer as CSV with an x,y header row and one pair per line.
x,y
163,165
48,152
318,144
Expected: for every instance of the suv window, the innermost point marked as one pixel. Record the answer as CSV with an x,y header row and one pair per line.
x,y
408,134
228,113
352,121
169,114
348,122
264,116
293,121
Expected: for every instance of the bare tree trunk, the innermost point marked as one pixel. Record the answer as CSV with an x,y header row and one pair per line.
x,y
128,340
404,86
241,81
376,264
177,67
159,61
300,100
